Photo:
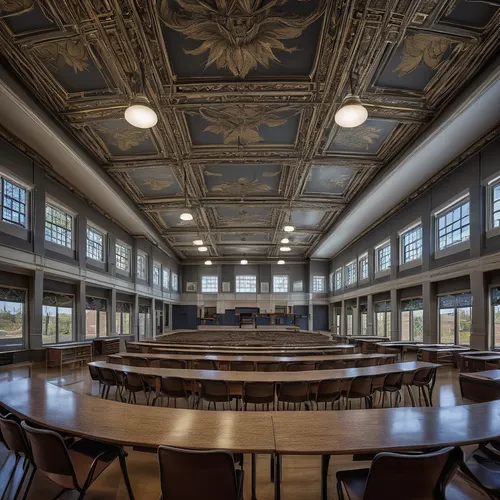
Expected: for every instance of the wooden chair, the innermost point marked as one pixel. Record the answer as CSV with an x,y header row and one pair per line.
x,y
483,468
242,366
173,364
215,391
393,384
393,476
191,475
134,383
268,366
328,391
133,361
259,393
76,467
332,365
109,378
94,375
172,387
303,366
293,392
423,379
364,363
204,364
15,439
358,388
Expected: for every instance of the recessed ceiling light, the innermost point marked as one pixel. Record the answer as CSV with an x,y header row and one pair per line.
x,y
289,229
244,262
186,216
198,242
208,262
285,241
202,249
140,115
281,262
285,249
352,113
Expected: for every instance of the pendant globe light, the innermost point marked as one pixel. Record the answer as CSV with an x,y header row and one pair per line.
x,y
281,262
208,262
186,214
198,243
289,228
285,241
244,261
139,113
352,113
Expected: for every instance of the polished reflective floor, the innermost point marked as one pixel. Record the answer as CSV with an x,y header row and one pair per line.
x,y
301,475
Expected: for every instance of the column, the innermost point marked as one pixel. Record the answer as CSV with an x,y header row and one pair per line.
x,y
80,310
153,317
112,312
310,321
356,324
430,312
479,326
35,324
369,315
135,317
395,334
343,319
38,229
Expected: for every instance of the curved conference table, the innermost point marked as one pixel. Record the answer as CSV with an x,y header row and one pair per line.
x,y
282,433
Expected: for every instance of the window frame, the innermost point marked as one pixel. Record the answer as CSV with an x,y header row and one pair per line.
x,y
456,332
12,228
319,279
353,265
450,205
166,285
210,277
362,258
339,279
174,282
157,266
52,245
403,265
103,233
142,276
275,276
73,318
383,272
490,183
128,249
238,277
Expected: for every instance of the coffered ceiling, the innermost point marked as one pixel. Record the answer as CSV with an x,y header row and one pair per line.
x,y
246,92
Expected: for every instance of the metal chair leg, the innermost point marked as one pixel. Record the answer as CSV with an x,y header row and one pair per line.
x,y
12,474
123,466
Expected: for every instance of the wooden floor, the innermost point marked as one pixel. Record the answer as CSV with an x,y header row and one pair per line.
x,y
301,475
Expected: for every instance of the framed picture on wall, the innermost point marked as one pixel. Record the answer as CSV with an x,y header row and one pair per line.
x,y
191,286
226,286
264,287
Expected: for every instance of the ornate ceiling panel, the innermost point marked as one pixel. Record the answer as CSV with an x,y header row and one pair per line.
x,y
246,92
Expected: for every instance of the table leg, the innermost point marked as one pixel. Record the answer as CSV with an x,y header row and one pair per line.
x,y
325,462
277,477
254,468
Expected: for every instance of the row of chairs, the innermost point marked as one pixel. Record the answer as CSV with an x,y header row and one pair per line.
x,y
267,394
250,366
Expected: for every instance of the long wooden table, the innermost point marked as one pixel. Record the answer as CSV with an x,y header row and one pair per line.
x,y
440,354
480,386
283,433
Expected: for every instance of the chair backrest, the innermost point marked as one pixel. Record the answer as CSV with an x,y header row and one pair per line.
x,y
242,366
174,364
394,379
13,435
294,392
362,363
303,366
51,456
216,389
107,376
258,392
394,476
423,375
173,387
133,361
332,365
94,372
133,381
329,388
268,366
204,364
361,386
192,475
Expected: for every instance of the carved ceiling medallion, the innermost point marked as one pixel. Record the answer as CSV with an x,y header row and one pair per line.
x,y
357,138
157,184
123,139
239,35
241,187
66,52
15,7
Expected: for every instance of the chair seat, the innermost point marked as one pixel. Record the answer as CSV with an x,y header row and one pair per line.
x,y
354,482
462,488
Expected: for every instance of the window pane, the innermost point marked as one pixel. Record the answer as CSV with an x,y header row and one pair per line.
x,y
156,274
14,203
65,324
464,325
418,325
90,324
209,284
142,267
384,258
380,323
338,279
447,326
95,244
318,284
11,322
405,325
364,320
103,324
350,273
126,323
412,245
453,226
166,279
349,323
246,284
49,326
363,267
496,326
118,324
175,283
58,226
122,257
280,284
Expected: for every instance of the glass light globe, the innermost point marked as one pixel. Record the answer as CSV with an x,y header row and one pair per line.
x,y
186,216
202,249
141,116
281,262
198,242
244,262
285,249
352,113
289,229
285,241
208,262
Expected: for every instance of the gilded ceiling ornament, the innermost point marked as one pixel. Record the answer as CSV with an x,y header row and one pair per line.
x,y
340,181
122,138
15,7
272,174
237,34
240,124
358,137
65,52
422,47
157,184
241,187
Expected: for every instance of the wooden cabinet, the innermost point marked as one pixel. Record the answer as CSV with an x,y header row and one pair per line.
x,y
56,356
106,346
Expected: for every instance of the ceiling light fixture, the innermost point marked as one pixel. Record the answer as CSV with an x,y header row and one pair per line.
x,y
186,216
281,262
285,249
208,262
244,261
289,229
198,242
202,249
285,241
139,114
351,113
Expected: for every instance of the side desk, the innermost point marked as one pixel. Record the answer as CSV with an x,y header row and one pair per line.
x,y
63,354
